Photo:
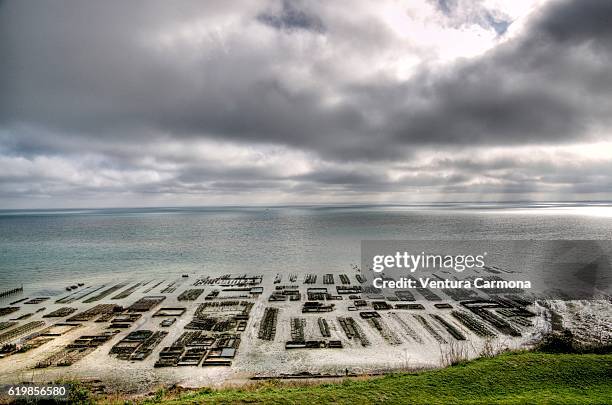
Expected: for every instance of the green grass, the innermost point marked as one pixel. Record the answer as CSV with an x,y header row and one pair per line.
x,y
511,378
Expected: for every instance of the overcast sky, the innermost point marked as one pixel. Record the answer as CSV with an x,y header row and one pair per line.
x,y
148,103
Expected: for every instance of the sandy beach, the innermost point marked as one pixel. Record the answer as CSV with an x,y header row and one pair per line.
x,y
406,343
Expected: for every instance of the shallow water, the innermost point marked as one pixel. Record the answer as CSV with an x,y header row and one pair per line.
x,y
52,248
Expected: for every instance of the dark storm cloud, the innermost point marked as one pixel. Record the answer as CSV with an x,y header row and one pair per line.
x,y
578,21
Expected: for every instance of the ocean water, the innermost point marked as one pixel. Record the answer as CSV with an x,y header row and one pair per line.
x,y
53,248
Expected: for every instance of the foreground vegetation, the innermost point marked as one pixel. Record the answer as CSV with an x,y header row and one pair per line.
x,y
510,378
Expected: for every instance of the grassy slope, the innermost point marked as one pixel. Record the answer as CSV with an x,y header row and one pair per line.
x,y
525,377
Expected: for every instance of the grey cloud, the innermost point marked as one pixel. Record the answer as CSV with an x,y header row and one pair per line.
x,y
476,13
499,25
535,89
292,16
95,78
344,176
91,80
578,21
445,5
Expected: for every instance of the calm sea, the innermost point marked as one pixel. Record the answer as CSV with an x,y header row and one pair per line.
x,y
50,249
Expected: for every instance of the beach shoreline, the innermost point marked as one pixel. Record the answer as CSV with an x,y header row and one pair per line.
x,y
257,358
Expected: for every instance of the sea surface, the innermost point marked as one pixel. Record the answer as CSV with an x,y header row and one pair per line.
x,y
48,249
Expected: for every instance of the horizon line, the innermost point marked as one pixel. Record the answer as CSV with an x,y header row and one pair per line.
x,y
322,205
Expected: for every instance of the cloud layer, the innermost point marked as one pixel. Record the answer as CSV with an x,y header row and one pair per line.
x,y
148,103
